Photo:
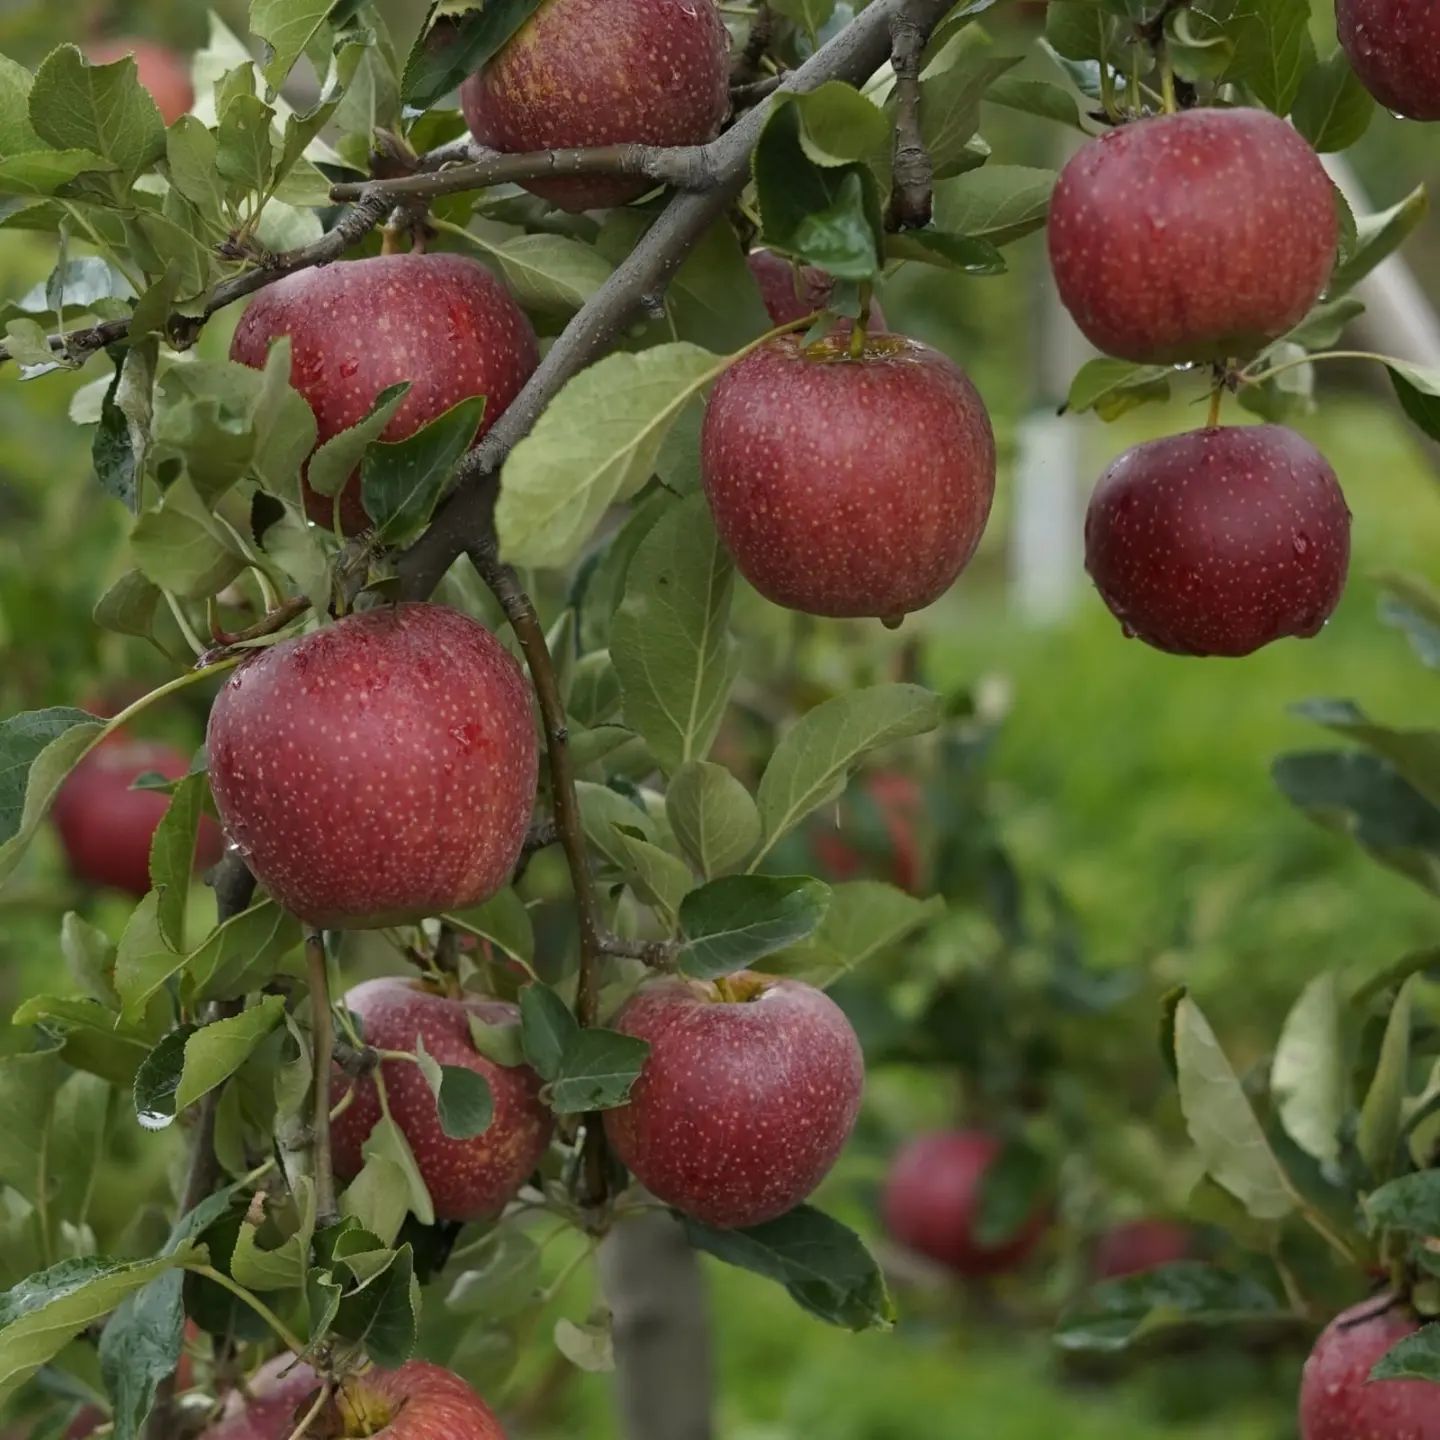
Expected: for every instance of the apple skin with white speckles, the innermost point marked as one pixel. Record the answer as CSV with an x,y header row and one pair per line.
x,y
1192,237
743,1105
589,73
849,487
106,827
441,322
1219,541
931,1204
1337,1403
467,1179
1394,47
277,1391
787,301
379,770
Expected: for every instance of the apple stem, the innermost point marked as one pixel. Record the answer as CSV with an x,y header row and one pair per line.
x,y
1167,84
313,1414
322,1030
858,330
1216,396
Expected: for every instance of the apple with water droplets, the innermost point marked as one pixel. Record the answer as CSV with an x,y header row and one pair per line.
x,y
746,1099
589,73
1219,541
106,826
1192,237
378,770
1338,1401
160,70
932,1202
467,1179
792,292
849,485
1394,47
441,322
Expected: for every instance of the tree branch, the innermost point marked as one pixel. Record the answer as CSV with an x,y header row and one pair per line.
x,y
912,199
853,55
354,225
322,1030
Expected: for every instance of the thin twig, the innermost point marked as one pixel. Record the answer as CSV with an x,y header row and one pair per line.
x,y
742,97
322,1029
912,196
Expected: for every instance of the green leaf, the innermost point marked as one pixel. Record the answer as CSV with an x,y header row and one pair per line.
x,y
812,15
434,70
1308,1075
140,1347
182,547
245,146
1188,1295
1081,31
595,444
730,923
123,436
659,879
387,1139
243,953
172,857
95,1039
27,1094
38,749
813,759
216,1051
864,919
1360,795
1037,97
590,1348
1325,324
286,27
128,607
503,920
378,1198
1112,387
100,108
715,820
1013,1191
1377,237
401,483
551,274
42,1314
463,1099
1221,1123
191,160
966,253
1411,1203
505,1283
714,302
838,125
502,1043
824,1266
1416,1357
1382,1114
1418,390
383,1314
46,172
144,961
1273,50
17,135
999,203
670,640
1414,753
1332,109
1413,607
950,106
340,456
595,1071
89,957
158,1078
547,1028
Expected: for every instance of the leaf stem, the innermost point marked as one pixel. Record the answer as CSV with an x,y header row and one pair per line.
x,y
1246,378
322,1029
287,1337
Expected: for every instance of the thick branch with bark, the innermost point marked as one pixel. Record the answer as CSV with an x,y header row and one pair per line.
x,y
912,199
853,55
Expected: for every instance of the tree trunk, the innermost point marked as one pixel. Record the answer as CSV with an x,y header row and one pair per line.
x,y
663,1362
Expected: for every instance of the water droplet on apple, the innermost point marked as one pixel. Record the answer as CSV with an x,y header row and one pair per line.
x,y
1301,543
349,367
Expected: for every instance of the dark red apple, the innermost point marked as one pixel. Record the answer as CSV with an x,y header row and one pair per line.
x,y
106,827
378,770
1219,541
586,73
161,71
1337,1399
1140,1245
901,806
1197,236
931,1203
270,1404
792,293
467,1179
744,1103
1394,47
442,322
848,486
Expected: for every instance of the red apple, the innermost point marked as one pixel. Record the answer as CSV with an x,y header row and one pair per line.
x,y
1219,541
161,71
932,1199
1197,236
378,770
586,73
106,827
271,1403
1140,1245
467,1179
792,294
1337,1399
744,1103
849,486
901,806
1394,47
442,322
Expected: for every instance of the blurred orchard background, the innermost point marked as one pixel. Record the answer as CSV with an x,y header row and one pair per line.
x,y
1100,818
